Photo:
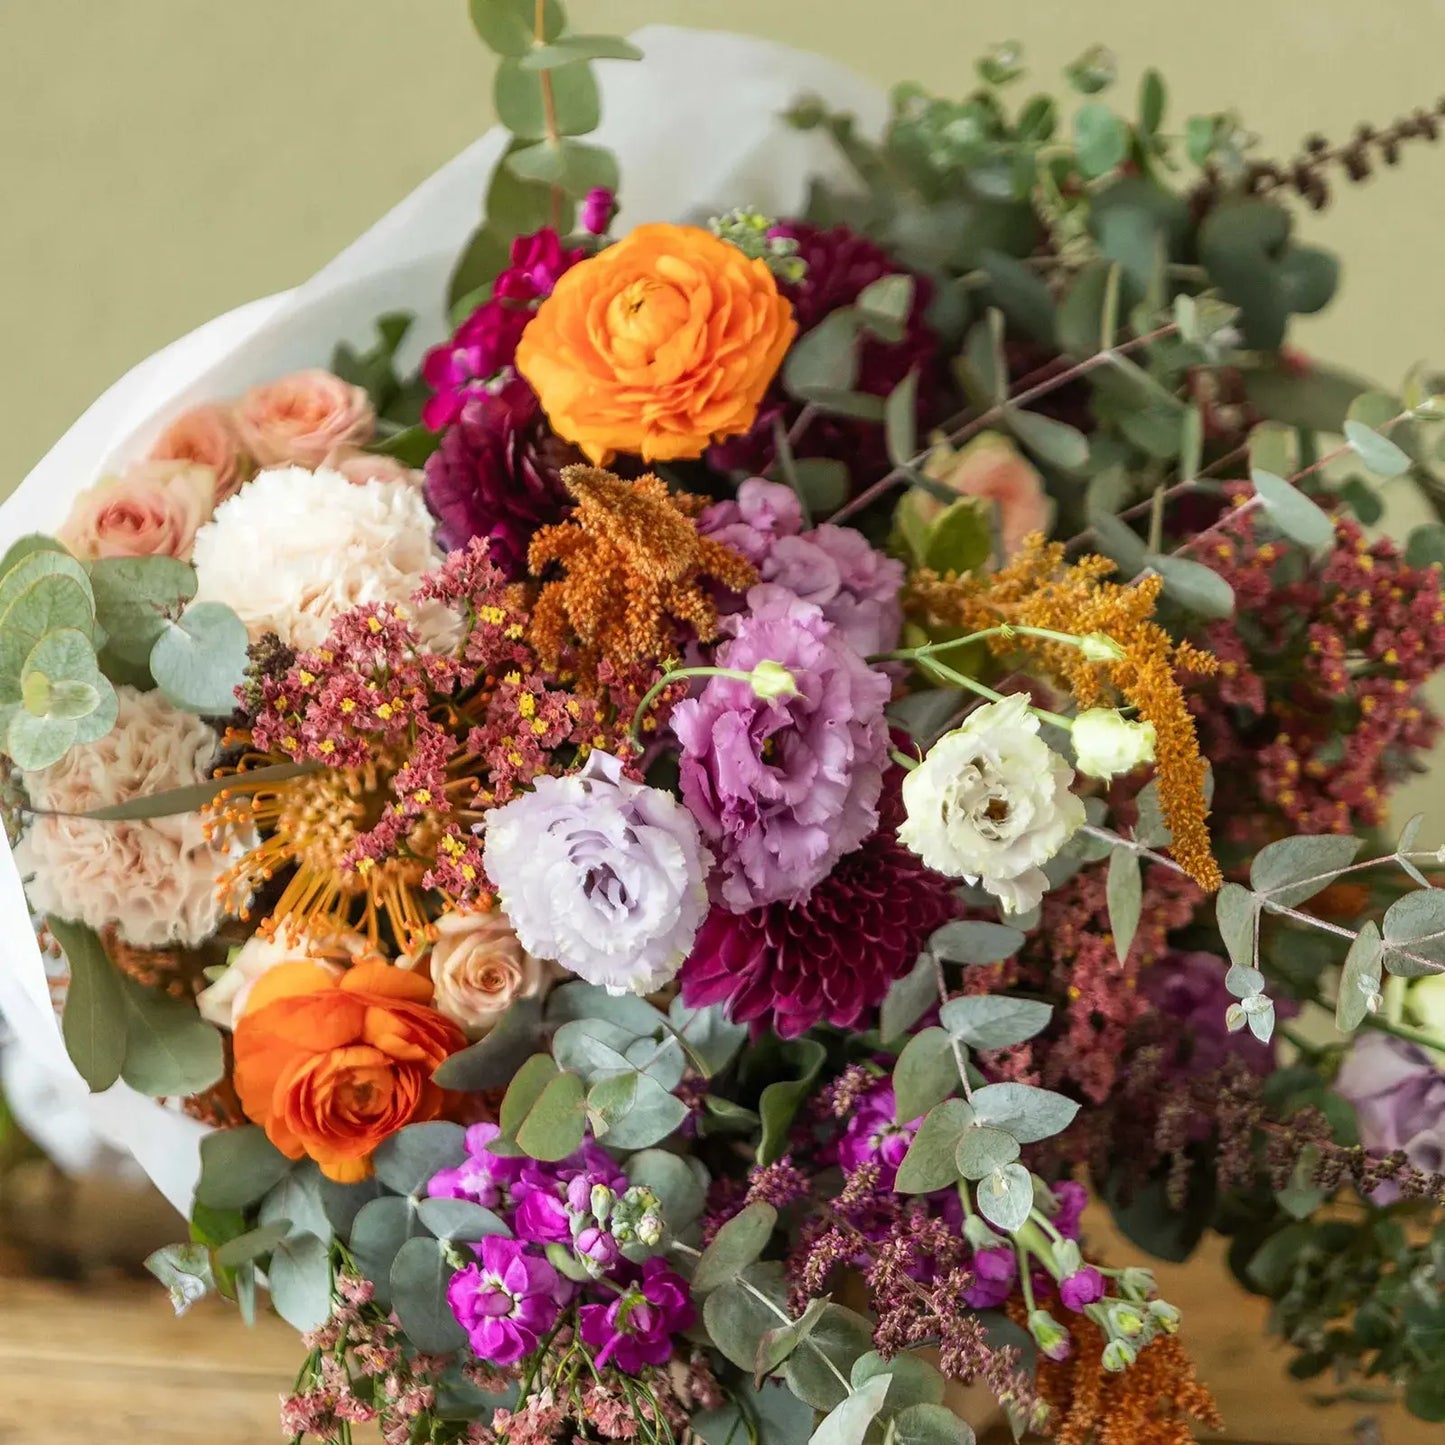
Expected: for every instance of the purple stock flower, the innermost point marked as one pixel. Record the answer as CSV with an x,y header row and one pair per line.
x,y
507,1301
784,786
637,1328
483,1177
994,1273
1398,1091
542,1218
1082,1288
834,568
1072,1197
1189,987
873,1136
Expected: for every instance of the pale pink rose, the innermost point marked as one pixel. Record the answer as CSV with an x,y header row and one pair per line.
x,y
224,1001
479,969
153,509
358,467
301,418
992,468
206,434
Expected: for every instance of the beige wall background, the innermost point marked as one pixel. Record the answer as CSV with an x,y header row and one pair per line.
x,y
164,160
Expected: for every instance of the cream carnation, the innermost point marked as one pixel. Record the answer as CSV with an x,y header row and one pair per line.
x,y
479,969
294,549
992,802
155,880
224,1001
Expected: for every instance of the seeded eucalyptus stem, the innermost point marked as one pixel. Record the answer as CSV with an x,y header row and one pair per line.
x,y
957,432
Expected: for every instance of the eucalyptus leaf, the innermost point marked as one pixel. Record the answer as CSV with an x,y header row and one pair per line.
x,y
420,1274
975,941
781,1100
735,1247
736,1318
252,1245
579,1000
914,1380
712,1038
675,1181
553,1126
900,421
994,1020
407,1160
580,47
849,1420
94,1021
984,1150
777,1344
343,1202
1292,870
825,358
574,107
300,1280
1124,893
1194,586
1359,985
297,1198
200,660
238,1167
931,1160
571,165
930,1424
926,1073
185,1271
1376,451
1054,442
1296,515
818,1370
908,999
507,26
1006,1197
524,1091
1022,295
1101,139
135,595
380,1230
884,305
1023,1110
453,1219
1236,913
1414,934
653,1115
1118,541
170,1051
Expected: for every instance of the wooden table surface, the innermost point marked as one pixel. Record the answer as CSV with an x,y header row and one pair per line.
x,y
103,1359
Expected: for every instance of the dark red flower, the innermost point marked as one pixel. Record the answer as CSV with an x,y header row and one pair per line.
x,y
496,475
832,958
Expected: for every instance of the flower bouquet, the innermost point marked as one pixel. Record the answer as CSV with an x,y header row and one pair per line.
x,y
659,845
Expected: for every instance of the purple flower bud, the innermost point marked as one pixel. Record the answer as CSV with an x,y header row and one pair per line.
x,y
994,1273
598,1246
598,207
1050,1336
1082,1288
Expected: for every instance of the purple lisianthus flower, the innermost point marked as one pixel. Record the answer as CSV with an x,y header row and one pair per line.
x,y
835,568
1398,1091
483,1177
784,786
603,875
637,1328
507,1301
994,1273
1082,1288
873,1136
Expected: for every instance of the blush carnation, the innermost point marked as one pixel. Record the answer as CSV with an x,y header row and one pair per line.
x,y
154,880
835,568
784,786
831,958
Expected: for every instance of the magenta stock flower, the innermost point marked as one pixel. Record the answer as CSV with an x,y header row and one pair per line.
x,y
637,1328
483,1177
784,786
1082,1288
507,1301
873,1136
834,568
994,1273
599,206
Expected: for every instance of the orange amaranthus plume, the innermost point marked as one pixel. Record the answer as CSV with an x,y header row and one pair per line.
x,y
634,568
1152,1402
1038,588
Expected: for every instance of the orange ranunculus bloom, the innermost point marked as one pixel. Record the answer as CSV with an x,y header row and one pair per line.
x,y
657,345
330,1067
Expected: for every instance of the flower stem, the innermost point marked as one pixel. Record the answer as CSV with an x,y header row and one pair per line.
x,y
983,690
680,674
549,103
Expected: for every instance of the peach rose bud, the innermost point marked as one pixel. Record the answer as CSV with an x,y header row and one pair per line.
x,y
478,969
301,418
206,434
153,509
991,468
359,467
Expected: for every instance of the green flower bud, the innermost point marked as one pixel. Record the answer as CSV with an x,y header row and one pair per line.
x,y
1165,1316
1119,1355
1137,1283
771,679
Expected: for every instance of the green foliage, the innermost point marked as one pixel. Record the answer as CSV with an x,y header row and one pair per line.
x,y
299,1277
492,1061
931,1161
93,1023
1293,870
199,659
1124,894
994,1021
735,1247
926,1073
407,1159
238,1167
420,1274
1006,1196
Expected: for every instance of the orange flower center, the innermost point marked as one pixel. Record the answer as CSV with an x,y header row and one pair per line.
x,y
642,317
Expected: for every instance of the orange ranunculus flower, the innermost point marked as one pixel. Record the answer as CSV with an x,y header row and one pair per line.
x,y
330,1066
657,345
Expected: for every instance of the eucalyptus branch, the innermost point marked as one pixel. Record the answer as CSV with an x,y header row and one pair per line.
x,y
958,431
958,1057
549,105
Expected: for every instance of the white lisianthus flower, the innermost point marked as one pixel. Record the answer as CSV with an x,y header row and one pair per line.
x,y
991,803
602,875
1426,1001
294,549
1107,744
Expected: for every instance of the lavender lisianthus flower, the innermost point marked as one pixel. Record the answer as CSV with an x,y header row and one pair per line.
x,y
784,786
637,1328
1398,1091
603,875
506,1301
835,568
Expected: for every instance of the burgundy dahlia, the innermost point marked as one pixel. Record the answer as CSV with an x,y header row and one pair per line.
x,y
839,265
831,958
496,475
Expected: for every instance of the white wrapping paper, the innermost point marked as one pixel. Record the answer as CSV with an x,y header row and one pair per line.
x,y
695,127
